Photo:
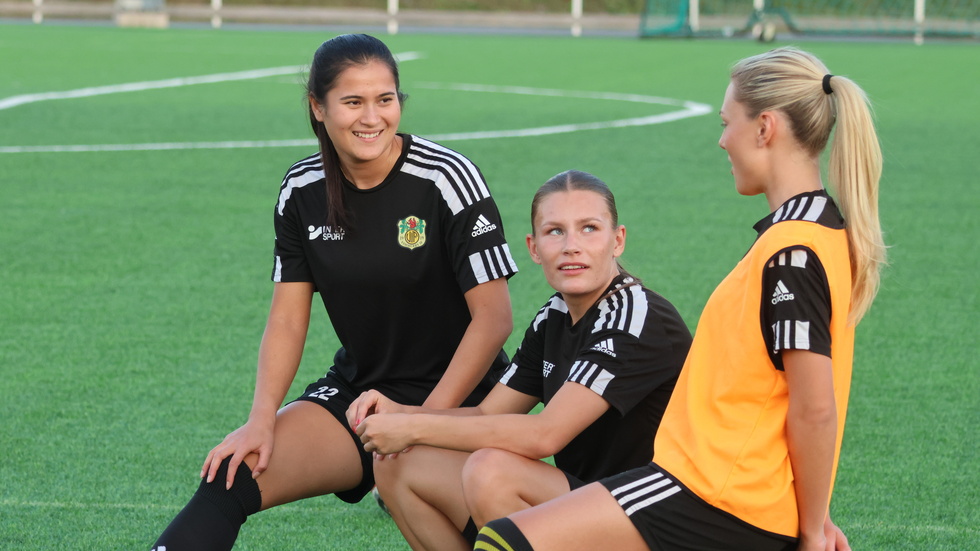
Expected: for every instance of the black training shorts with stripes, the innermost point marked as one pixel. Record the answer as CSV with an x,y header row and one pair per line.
x,y
672,518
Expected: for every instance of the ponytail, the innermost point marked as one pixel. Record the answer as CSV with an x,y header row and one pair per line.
x,y
799,85
854,171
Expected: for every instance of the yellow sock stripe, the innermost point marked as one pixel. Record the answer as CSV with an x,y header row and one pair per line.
x,y
492,534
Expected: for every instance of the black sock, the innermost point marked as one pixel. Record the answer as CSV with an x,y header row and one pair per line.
x,y
212,518
500,535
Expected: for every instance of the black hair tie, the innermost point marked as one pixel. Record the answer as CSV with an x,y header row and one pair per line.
x,y
826,84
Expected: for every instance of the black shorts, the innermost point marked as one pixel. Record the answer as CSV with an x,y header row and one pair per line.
x,y
670,517
335,394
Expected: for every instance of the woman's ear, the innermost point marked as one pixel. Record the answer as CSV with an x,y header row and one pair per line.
x,y
316,108
620,245
532,248
767,126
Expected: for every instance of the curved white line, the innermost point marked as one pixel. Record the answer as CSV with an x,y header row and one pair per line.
x,y
687,109
14,101
155,146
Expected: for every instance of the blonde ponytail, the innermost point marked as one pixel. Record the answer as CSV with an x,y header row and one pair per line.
x,y
854,171
796,83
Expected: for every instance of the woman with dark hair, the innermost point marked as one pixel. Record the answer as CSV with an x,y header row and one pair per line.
x,y
404,244
602,355
748,447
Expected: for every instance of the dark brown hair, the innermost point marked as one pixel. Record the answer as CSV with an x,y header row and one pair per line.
x,y
331,59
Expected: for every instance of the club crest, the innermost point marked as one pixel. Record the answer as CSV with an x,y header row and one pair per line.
x,y
411,232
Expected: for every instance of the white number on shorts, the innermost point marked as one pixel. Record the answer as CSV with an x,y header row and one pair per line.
x,y
324,393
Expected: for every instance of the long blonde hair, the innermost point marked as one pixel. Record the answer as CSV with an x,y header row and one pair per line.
x,y
793,82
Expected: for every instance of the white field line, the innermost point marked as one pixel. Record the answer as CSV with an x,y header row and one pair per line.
x,y
14,101
687,109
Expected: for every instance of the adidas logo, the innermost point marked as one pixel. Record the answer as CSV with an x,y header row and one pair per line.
x,y
781,293
606,347
482,226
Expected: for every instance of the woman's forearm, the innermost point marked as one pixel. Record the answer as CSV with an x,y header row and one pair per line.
x,y
486,334
811,452
811,433
281,348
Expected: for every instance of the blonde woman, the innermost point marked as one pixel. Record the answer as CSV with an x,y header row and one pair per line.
x,y
748,447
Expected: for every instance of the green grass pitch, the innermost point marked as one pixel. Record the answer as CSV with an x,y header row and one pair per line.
x,y
134,284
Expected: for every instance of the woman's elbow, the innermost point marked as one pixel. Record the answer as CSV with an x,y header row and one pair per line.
x,y
814,414
505,326
546,443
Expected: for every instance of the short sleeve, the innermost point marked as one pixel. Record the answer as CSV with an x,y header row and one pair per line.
x,y
478,248
795,303
638,344
290,263
624,369
473,232
528,370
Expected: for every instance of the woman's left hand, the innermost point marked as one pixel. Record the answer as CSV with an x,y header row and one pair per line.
x,y
385,433
369,403
836,540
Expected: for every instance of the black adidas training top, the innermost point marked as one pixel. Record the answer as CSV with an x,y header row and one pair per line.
x,y
393,283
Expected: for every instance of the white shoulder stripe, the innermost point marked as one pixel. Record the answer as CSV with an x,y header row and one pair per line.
x,y
791,335
625,310
277,275
816,209
492,263
591,376
556,304
291,183
449,195
472,173
511,369
798,258
802,208
457,177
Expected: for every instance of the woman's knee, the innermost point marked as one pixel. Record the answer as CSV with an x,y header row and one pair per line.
x,y
488,471
387,472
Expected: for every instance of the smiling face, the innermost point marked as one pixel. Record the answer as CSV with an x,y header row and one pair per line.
x,y
741,139
576,244
361,115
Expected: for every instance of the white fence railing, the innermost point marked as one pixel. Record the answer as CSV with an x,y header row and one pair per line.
x,y
156,13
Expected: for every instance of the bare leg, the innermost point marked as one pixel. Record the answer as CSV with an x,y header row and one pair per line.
x,y
423,491
497,483
588,518
313,455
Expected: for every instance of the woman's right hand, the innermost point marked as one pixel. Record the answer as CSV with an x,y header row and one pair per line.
x,y
255,436
369,403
